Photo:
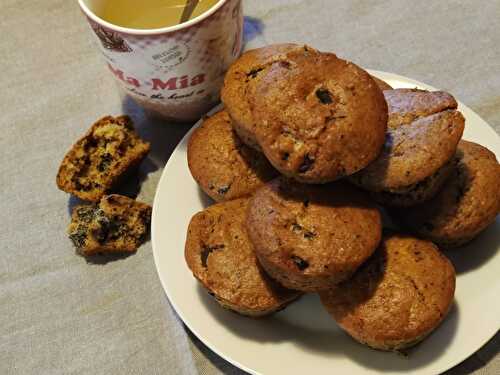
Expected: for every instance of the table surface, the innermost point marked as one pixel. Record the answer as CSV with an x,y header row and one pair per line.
x,y
61,315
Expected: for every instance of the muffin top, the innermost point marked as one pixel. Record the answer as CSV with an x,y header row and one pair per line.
x,y
221,257
222,165
420,140
398,296
239,85
407,105
468,202
318,117
312,230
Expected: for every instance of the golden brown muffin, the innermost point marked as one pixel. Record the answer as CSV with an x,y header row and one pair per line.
x,y
407,105
382,84
222,258
118,224
221,164
239,85
468,203
318,118
423,134
310,237
417,193
398,297
100,159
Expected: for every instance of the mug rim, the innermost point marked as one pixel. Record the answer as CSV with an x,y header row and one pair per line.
x,y
163,30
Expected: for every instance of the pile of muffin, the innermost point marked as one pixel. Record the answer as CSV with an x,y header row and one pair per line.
x,y
307,152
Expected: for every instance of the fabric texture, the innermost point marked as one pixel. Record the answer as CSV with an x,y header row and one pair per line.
x,y
60,315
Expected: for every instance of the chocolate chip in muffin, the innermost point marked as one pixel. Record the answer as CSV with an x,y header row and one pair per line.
x,y
206,251
299,262
254,72
324,96
307,163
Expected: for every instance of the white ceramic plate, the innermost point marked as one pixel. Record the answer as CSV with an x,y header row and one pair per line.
x,y
303,339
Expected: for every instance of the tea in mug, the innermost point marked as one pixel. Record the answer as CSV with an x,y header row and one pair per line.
x,y
147,14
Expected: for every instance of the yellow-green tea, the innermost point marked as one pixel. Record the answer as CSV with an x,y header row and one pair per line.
x,y
147,14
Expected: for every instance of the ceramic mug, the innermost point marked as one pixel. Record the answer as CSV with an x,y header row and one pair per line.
x,y
175,72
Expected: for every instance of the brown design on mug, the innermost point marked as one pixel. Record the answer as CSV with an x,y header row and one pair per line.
x,y
111,40
238,41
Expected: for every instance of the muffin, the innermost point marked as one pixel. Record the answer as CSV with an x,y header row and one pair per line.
x,y
221,256
407,105
101,158
239,85
118,224
319,118
468,203
221,164
311,237
397,298
424,129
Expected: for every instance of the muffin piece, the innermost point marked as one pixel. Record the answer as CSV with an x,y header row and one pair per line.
x,y
117,224
99,160
239,85
221,164
423,134
222,258
397,298
468,203
319,118
382,84
311,237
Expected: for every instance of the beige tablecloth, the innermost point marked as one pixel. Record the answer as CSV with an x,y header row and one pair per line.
x,y
60,315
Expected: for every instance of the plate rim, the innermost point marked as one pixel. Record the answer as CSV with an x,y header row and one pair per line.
x,y
205,340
